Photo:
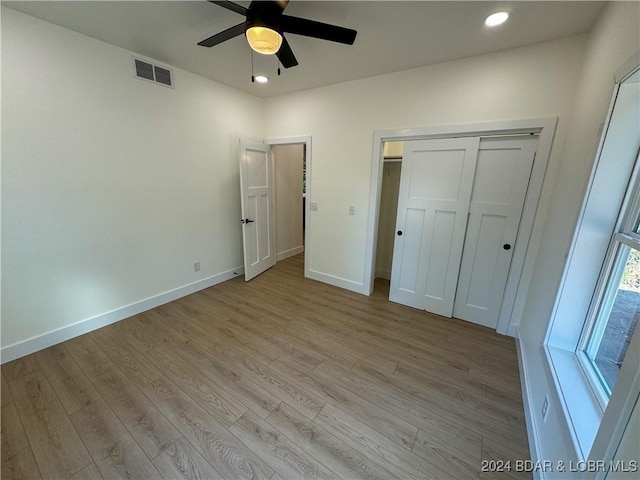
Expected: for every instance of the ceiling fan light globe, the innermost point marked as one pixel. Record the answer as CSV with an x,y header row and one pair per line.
x,y
264,40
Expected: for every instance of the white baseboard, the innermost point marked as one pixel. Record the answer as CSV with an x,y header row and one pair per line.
x,y
289,253
34,344
532,434
512,331
336,281
386,274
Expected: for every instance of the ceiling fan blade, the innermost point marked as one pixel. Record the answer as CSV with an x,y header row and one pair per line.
x,y
258,4
223,36
282,3
234,7
285,55
324,31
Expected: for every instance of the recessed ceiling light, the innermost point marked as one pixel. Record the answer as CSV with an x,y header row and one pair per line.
x,y
496,19
261,79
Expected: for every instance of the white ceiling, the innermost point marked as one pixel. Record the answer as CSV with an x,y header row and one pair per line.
x,y
392,35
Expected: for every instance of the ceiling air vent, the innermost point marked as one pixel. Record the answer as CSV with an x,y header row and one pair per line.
x,y
153,73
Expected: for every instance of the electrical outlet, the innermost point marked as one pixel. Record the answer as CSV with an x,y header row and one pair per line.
x,y
196,266
545,408
352,209
313,206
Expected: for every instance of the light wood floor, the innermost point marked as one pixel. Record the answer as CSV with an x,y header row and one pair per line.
x,y
278,378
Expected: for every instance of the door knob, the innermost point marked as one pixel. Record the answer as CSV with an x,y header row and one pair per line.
x,y
506,246
399,233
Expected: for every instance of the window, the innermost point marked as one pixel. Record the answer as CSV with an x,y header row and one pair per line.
x,y
598,303
616,304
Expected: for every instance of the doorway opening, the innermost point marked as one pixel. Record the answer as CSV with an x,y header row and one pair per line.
x,y
386,191
392,165
292,168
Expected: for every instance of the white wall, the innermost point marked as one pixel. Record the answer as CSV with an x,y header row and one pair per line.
x,y
288,165
535,81
112,187
627,452
612,41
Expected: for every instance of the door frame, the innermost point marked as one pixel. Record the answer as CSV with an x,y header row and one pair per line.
x,y
306,140
514,297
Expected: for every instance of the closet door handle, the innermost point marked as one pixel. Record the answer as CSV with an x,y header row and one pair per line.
x,y
399,233
506,246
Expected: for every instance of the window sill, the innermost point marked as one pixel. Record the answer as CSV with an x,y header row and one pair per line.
x,y
580,406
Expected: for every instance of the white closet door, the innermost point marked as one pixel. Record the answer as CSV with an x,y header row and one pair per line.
x,y
499,188
435,190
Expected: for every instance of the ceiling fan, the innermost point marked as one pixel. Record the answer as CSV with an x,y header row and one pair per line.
x,y
265,26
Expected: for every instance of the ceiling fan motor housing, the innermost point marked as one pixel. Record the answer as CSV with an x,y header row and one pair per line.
x,y
264,14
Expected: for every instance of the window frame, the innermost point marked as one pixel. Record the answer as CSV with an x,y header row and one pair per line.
x,y
595,323
607,194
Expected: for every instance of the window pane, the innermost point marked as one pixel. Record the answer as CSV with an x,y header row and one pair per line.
x,y
617,319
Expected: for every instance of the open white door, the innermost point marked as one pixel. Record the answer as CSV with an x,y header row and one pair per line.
x,y
499,189
258,220
433,204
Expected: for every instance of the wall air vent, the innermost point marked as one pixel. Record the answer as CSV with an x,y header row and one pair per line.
x,y
154,73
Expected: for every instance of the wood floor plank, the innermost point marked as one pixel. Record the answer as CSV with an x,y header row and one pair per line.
x,y
386,423
13,436
444,393
424,406
499,448
283,455
435,346
253,396
400,462
5,393
495,379
379,362
226,454
21,466
329,450
131,361
261,351
162,327
331,348
19,368
406,351
114,451
151,430
427,416
217,402
138,335
56,446
85,351
436,450
306,402
285,344
507,398
89,472
72,386
429,374
181,460
195,327
344,345
271,348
